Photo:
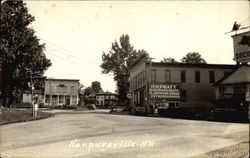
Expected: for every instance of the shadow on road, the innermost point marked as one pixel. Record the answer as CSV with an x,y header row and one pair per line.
x,y
228,117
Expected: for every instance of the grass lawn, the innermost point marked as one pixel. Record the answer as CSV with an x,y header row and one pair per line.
x,y
12,115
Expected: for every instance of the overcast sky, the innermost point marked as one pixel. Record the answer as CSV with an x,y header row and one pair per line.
x,y
77,32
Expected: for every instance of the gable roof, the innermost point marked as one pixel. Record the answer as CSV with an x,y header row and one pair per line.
x,y
241,78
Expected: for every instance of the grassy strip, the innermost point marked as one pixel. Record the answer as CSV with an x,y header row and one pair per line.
x,y
12,115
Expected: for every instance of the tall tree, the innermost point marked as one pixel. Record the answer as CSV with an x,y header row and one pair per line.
x,y
96,85
117,61
21,51
169,60
193,58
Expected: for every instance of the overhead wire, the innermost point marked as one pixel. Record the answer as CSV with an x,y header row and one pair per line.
x,y
75,55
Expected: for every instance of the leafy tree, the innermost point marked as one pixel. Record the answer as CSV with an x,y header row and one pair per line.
x,y
193,58
89,91
96,85
21,51
117,61
169,60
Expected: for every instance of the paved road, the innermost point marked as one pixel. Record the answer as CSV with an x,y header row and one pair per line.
x,y
98,134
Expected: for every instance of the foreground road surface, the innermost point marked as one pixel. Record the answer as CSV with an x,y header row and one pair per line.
x,y
98,134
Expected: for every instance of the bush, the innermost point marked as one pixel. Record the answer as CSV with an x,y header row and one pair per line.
x,y
91,106
22,105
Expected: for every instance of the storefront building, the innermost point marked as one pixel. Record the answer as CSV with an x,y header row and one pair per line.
x,y
233,91
178,85
60,92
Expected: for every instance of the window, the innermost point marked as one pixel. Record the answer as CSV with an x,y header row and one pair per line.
x,y
61,99
183,76
50,89
197,77
72,89
167,76
153,75
65,89
143,76
222,90
238,89
58,89
211,77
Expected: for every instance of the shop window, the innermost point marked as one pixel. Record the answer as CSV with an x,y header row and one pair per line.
x,y
61,99
47,99
197,77
167,76
211,77
183,76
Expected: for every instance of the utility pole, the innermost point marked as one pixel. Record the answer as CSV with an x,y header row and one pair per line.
x,y
150,80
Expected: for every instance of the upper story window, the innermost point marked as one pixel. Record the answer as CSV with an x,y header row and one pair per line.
x,y
197,77
58,89
50,89
211,77
167,76
64,89
143,76
72,89
183,76
153,75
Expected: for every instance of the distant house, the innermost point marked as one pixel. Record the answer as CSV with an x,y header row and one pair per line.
x,y
59,92
106,99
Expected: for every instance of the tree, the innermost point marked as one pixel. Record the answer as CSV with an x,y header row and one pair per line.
x,y
193,58
117,61
89,91
96,85
21,51
169,60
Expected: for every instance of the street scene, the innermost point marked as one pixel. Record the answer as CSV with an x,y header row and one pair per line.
x,y
156,79
73,135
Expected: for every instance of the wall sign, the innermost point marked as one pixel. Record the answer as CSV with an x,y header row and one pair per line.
x,y
166,91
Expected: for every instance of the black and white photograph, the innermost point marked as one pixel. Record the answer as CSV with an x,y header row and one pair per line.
x,y
124,79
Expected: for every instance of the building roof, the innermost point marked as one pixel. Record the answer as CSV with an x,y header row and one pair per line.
x,y
221,66
138,60
106,93
239,78
53,79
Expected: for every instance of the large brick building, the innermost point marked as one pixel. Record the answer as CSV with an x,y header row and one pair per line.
x,y
186,86
59,92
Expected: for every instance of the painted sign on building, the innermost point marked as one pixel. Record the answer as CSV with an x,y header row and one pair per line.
x,y
242,47
165,91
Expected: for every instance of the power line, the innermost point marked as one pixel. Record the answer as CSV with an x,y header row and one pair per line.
x,y
72,56
66,50
71,61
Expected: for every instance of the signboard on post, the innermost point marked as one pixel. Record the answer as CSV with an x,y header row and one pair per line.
x,y
242,47
166,91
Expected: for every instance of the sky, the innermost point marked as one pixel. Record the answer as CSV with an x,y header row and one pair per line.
x,y
76,33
